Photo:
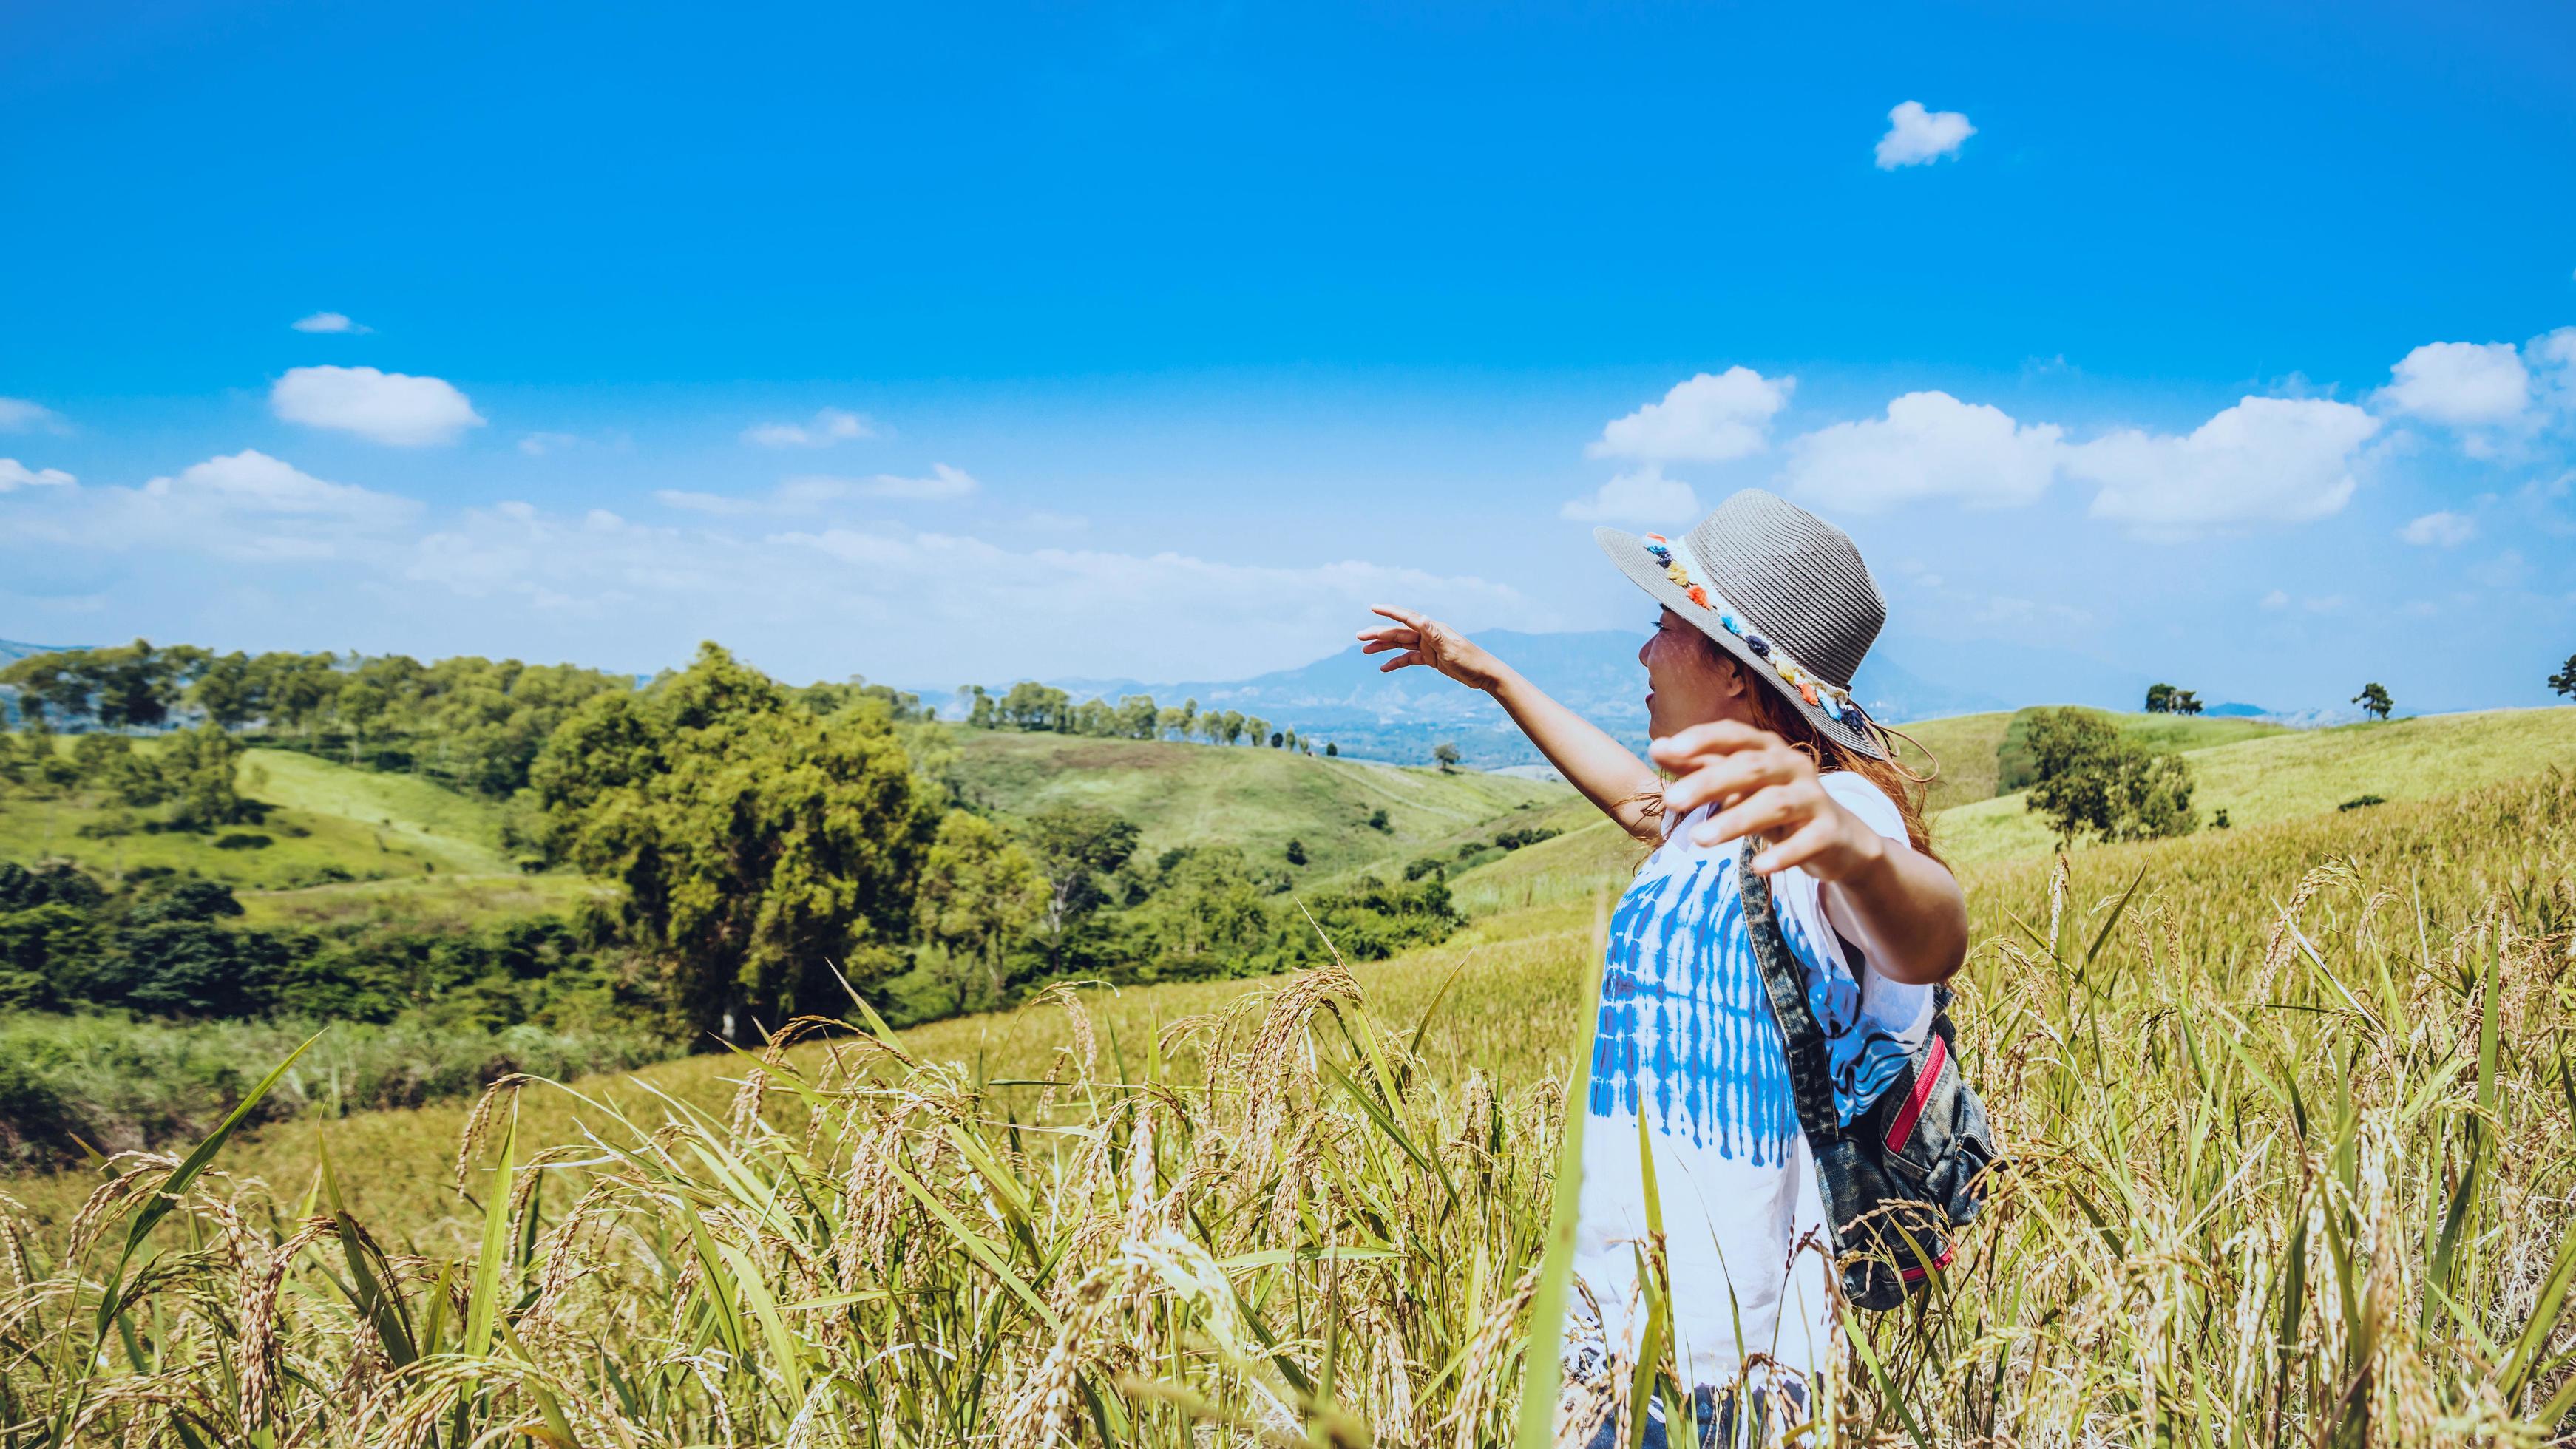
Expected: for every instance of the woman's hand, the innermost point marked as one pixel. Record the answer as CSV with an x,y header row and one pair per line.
x,y
1428,641
1762,786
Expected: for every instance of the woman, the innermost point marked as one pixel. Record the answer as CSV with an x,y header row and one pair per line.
x,y
1766,611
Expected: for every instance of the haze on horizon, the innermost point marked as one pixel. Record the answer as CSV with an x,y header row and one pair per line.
x,y
2212,344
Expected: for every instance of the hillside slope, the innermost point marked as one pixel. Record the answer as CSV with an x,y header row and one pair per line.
x,y
336,841
2293,773
1258,799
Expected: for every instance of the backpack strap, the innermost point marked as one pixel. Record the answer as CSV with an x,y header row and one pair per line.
x,y
1811,1078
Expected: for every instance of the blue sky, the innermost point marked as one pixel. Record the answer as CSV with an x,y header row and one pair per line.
x,y
947,343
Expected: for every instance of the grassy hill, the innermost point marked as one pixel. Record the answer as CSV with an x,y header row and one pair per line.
x,y
336,842
2283,775
1258,799
1978,756
330,821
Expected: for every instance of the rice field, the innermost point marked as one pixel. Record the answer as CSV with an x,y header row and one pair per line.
x,y
2289,1109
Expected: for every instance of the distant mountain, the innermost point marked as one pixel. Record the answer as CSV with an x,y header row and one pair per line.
x,y
1403,716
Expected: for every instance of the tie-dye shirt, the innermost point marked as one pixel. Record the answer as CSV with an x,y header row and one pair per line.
x,y
1685,1041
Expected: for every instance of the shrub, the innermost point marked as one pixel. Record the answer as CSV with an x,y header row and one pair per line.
x,y
2092,781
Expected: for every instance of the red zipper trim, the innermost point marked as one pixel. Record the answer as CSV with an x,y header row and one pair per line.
x,y
1903,1126
1916,1275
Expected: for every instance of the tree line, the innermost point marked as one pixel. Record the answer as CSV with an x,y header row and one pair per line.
x,y
1035,707
473,723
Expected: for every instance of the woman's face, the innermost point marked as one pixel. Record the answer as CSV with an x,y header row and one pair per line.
x,y
1688,679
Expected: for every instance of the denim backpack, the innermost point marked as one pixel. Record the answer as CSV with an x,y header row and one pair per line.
x,y
1899,1180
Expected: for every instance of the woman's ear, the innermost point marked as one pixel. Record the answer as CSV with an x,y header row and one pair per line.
x,y
1730,671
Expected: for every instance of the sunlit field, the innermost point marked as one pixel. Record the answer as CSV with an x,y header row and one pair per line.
x,y
2288,1109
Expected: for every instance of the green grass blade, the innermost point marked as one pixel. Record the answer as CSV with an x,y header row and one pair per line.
x,y
484,1300
111,1300
1542,1354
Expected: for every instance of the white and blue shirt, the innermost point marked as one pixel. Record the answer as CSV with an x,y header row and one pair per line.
x,y
1685,1040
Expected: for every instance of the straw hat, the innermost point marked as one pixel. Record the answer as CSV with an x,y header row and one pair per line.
x,y
1780,589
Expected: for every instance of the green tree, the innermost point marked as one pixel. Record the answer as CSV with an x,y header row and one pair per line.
x,y
201,770
2159,698
1074,846
2091,780
129,686
1332,750
1207,917
2374,701
2564,681
2185,702
226,691
1034,706
760,847
979,894
49,933
52,765
1296,851
1138,719
297,688
1446,755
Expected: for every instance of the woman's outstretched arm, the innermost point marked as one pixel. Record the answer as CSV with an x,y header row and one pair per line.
x,y
1625,787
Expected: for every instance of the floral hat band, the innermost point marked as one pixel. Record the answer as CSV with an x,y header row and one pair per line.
x,y
1680,565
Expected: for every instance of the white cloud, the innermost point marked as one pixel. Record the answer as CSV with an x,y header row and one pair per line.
x,y
2552,357
1915,136
1047,521
327,322
17,415
1645,496
14,474
722,504
537,445
244,505
253,482
2265,460
1707,419
807,493
2442,529
1929,445
831,425
925,608
384,407
2460,383
943,482
2277,599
